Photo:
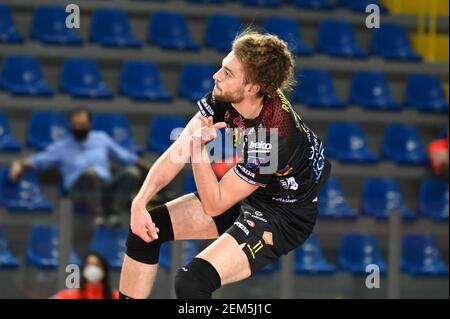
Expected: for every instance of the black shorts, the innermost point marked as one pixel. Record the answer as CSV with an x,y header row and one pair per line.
x,y
261,235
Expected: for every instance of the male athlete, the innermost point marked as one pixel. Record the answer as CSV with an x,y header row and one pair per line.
x,y
261,209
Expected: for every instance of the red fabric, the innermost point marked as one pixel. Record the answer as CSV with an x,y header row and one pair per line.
x,y
90,292
440,145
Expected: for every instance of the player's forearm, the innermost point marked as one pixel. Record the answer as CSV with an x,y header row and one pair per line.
x,y
206,181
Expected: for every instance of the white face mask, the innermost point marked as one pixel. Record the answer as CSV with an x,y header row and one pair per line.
x,y
93,274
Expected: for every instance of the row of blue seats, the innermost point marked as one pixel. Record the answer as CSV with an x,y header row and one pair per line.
x,y
420,253
140,80
169,30
379,197
345,141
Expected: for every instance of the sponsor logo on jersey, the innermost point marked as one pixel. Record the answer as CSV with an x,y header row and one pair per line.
x,y
242,227
246,171
203,105
260,146
289,183
287,200
251,223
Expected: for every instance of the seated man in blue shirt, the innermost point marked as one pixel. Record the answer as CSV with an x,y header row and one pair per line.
x,y
83,159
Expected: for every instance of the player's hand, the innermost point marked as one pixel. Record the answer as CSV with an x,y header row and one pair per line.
x,y
141,223
206,133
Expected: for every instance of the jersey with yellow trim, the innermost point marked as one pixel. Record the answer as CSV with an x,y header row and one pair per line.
x,y
277,150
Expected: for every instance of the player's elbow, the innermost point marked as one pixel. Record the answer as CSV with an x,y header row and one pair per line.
x,y
210,210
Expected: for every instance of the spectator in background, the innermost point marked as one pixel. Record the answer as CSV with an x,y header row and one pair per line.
x,y
83,159
438,153
94,281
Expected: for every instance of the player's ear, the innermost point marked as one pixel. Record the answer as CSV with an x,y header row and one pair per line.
x,y
253,88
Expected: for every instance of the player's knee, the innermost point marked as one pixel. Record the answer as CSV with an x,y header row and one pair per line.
x,y
198,280
148,253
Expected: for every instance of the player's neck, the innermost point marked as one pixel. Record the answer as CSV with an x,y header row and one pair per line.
x,y
250,108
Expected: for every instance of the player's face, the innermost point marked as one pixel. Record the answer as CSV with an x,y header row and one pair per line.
x,y
229,80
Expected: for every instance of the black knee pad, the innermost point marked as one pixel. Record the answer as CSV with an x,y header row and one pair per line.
x,y
198,280
148,253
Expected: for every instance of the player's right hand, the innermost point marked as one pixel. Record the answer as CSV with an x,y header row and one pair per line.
x,y
141,223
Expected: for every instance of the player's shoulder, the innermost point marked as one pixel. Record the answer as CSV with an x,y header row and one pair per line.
x,y
278,115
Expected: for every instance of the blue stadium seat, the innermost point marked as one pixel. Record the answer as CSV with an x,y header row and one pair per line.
x,y
196,80
315,4
111,27
207,1
380,196
332,202
371,90
117,126
162,128
265,3
7,142
270,268
337,38
433,199
391,42
8,31
45,127
23,195
42,248
288,30
169,30
190,249
315,89
81,78
189,183
347,142
309,258
140,80
110,243
360,5
221,30
22,75
7,259
357,251
424,92
402,145
421,256
49,26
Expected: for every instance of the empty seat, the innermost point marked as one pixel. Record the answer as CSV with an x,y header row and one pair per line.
x,y
22,75
7,141
190,249
266,3
371,90
336,38
117,126
221,30
81,77
24,194
111,27
196,80
315,89
45,127
347,142
309,258
140,80
8,31
433,199
7,259
315,4
332,202
424,92
287,29
49,26
390,41
164,129
169,30
360,5
382,195
421,256
402,144
357,251
42,248
110,243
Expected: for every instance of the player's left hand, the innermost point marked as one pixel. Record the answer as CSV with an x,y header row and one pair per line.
x,y
206,133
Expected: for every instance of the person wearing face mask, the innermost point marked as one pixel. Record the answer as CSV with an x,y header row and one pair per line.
x,y
83,159
94,281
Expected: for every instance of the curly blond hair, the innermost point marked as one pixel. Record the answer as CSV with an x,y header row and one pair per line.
x,y
266,60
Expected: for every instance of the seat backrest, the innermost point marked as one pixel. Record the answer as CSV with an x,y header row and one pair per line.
x,y
334,34
331,194
108,22
390,36
115,125
46,127
359,249
221,29
167,25
6,20
140,74
310,252
368,85
433,196
43,241
26,188
83,72
420,250
110,243
346,136
196,77
5,129
49,19
401,139
313,83
284,27
164,129
381,195
21,69
422,88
